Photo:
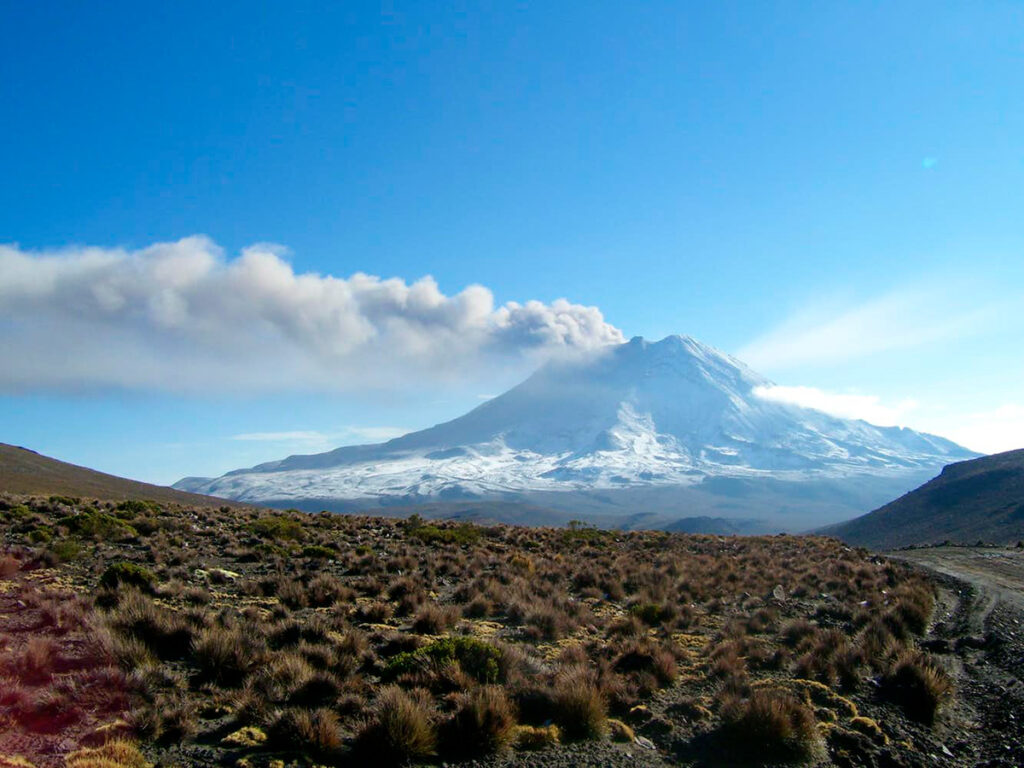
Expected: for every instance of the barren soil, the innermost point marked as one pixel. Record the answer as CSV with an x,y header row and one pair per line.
x,y
979,628
997,574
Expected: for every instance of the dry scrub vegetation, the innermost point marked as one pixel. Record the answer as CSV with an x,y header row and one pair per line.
x,y
220,636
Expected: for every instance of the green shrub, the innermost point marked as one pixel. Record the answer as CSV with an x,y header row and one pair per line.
x,y
41,534
583,533
129,575
18,512
271,550
97,525
131,507
277,527
476,658
318,552
66,550
465,533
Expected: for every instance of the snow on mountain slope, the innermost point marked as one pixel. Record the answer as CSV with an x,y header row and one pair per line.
x,y
637,415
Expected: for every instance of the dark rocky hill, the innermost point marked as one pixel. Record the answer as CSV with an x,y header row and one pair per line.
x,y
981,499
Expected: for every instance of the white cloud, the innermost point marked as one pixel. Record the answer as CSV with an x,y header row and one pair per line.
x,y
182,317
990,431
824,333
279,437
375,434
313,438
870,408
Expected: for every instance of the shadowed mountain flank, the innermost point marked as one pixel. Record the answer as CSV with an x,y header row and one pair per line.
x,y
27,472
981,499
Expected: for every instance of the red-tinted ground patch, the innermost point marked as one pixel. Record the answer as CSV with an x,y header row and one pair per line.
x,y
59,688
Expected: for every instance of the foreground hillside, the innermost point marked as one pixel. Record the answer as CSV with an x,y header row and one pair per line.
x,y
25,471
207,637
981,499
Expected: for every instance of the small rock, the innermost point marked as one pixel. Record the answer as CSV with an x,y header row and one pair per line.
x,y
644,742
937,645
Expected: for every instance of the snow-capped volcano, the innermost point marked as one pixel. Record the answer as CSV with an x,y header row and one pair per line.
x,y
640,415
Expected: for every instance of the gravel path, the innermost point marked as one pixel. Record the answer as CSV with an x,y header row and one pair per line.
x,y
997,574
979,630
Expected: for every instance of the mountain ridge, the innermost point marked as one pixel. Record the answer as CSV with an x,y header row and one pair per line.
x,y
636,416
24,471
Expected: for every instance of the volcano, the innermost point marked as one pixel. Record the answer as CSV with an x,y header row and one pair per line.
x,y
639,433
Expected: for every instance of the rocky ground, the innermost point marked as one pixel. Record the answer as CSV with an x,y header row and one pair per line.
x,y
979,631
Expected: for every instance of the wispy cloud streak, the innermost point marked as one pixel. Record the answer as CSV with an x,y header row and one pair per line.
x,y
826,333
870,408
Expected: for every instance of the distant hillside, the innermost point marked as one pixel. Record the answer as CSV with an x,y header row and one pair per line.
x,y
27,472
970,500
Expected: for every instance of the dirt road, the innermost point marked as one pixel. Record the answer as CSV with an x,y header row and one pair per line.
x,y
996,577
998,570
978,628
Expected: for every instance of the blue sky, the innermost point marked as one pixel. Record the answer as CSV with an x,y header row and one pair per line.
x,y
832,191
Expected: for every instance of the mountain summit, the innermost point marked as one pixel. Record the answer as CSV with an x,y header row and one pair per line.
x,y
673,414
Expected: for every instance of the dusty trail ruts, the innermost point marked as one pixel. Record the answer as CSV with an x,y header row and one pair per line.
x,y
997,574
979,628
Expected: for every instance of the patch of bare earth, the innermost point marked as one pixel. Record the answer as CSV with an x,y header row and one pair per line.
x,y
59,689
978,630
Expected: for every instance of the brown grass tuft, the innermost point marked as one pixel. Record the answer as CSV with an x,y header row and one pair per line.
x,y
402,729
579,706
483,723
771,725
919,684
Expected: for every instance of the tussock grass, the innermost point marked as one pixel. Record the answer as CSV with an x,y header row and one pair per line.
x,y
402,729
918,683
415,639
770,725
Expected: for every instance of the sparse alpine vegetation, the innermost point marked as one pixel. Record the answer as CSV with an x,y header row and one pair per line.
x,y
233,635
